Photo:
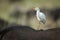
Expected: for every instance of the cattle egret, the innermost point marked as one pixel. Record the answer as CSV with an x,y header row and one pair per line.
x,y
40,16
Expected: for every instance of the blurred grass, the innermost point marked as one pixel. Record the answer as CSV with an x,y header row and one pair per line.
x,y
6,8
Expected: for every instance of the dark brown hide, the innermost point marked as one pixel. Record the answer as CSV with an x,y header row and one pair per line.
x,y
27,33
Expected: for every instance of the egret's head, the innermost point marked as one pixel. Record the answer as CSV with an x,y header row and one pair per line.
x,y
37,8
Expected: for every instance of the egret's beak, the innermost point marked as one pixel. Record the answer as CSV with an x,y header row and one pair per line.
x,y
33,8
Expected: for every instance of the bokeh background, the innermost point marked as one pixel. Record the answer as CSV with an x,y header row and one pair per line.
x,y
21,12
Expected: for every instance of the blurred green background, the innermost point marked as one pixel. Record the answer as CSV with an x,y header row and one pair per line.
x,y
8,7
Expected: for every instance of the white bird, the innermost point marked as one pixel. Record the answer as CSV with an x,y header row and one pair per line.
x,y
40,15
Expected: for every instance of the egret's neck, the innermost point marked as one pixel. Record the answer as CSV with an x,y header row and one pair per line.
x,y
38,11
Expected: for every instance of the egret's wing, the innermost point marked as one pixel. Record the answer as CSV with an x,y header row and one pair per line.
x,y
42,17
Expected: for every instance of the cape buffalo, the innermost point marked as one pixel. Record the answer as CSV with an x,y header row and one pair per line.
x,y
19,32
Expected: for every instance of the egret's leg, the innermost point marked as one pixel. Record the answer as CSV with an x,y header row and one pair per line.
x,y
44,25
39,26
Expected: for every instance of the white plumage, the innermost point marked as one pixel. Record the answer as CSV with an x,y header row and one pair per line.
x,y
40,16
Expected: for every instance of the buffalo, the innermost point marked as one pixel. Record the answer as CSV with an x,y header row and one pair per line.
x,y
18,32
